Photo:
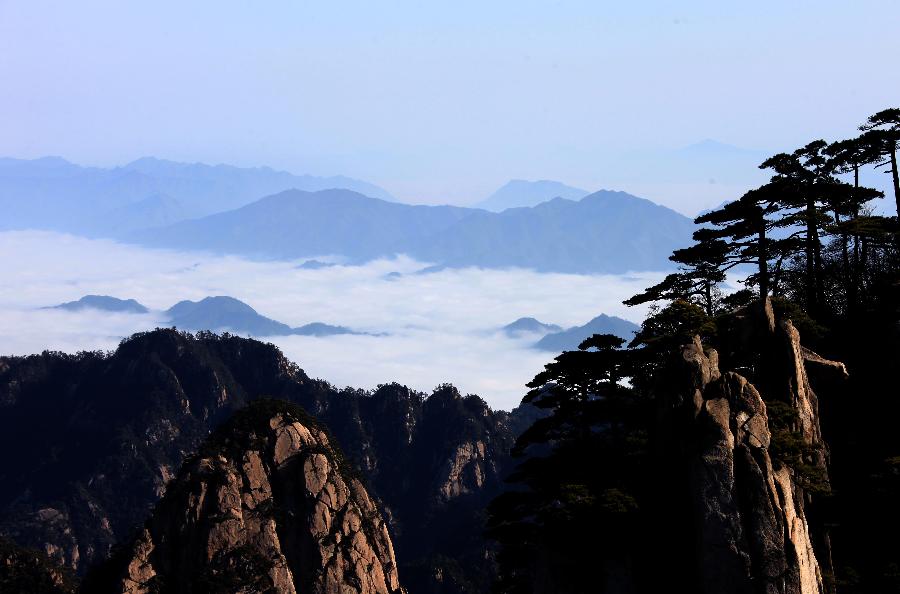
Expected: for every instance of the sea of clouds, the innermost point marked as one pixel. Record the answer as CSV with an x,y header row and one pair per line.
x,y
437,327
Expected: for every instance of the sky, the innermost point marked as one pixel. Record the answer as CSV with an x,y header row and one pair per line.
x,y
433,328
442,102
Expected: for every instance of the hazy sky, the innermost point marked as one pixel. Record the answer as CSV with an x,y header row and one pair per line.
x,y
441,101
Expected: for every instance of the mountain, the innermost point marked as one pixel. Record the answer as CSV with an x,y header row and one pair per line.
x,y
210,314
315,265
288,515
99,436
569,339
156,210
295,224
605,232
529,326
51,193
228,313
320,329
220,313
713,477
519,192
103,303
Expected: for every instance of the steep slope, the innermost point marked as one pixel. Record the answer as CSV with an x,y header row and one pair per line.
x,y
268,504
570,338
99,436
750,494
519,192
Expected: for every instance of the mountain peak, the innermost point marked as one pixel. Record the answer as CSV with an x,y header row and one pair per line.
x,y
103,303
288,515
520,192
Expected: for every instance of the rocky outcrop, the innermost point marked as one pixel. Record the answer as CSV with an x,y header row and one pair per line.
x,y
268,505
749,496
99,436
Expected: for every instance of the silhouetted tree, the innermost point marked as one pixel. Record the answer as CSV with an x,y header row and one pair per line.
x,y
746,225
703,268
849,156
806,180
567,527
883,136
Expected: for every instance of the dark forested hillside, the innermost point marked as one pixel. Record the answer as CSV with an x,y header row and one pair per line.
x,y
98,437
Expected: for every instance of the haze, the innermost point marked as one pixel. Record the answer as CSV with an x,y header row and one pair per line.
x,y
434,328
444,103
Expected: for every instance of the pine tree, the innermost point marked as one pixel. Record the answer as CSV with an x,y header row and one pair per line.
x,y
883,136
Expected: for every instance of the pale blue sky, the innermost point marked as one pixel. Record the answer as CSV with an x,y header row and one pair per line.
x,y
443,101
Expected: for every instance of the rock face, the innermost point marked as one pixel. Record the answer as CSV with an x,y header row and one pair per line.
x,y
268,505
749,502
98,437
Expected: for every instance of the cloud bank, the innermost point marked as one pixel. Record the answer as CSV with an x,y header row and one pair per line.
x,y
441,327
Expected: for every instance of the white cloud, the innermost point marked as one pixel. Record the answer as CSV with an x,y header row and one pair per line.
x,y
442,327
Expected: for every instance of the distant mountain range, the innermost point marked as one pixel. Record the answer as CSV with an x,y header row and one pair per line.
x,y
525,326
519,192
52,193
604,232
557,340
569,339
103,303
211,313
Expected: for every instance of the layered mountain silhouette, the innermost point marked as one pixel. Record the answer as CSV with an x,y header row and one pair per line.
x,y
519,192
210,313
525,326
569,339
605,232
220,313
52,193
103,303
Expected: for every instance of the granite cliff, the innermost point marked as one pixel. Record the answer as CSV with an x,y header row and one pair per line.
x,y
267,505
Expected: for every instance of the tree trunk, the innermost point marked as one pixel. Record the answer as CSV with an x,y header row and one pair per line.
x,y
865,264
856,275
763,262
708,295
811,237
845,267
896,177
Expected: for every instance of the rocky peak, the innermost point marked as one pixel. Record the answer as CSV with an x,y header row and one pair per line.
x,y
267,505
750,498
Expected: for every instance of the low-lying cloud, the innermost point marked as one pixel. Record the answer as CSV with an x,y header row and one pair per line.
x,y
440,327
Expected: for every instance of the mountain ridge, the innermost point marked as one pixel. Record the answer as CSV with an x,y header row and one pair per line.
x,y
54,194
604,232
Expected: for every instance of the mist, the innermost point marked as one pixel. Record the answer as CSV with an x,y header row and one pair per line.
x,y
427,328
